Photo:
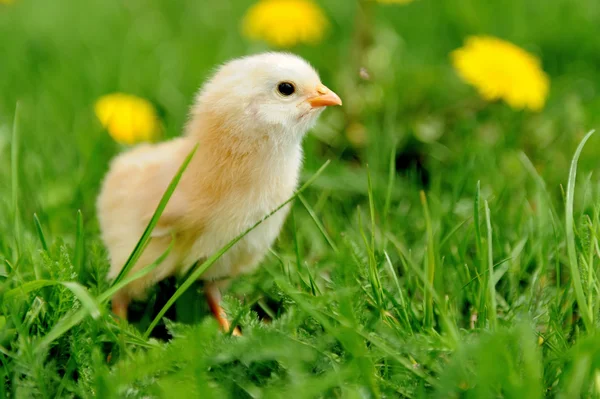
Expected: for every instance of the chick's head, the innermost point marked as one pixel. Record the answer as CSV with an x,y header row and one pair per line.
x,y
277,94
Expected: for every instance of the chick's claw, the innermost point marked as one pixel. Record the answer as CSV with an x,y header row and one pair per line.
x,y
213,297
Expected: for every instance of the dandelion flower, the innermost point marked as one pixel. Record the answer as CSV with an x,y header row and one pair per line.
x,y
127,118
285,23
501,70
394,1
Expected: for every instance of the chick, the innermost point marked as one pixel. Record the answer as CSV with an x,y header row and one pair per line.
x,y
248,121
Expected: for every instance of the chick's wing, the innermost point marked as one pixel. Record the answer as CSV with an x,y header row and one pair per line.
x,y
134,187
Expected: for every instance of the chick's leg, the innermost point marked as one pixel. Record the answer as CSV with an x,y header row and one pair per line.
x,y
120,304
213,296
137,289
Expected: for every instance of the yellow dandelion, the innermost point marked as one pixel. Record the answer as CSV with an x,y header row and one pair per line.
x,y
394,1
501,70
285,23
128,119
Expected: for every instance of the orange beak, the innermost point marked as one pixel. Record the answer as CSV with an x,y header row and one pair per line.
x,y
324,98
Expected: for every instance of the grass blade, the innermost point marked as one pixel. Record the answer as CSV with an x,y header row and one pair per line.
x,y
296,245
40,232
145,238
14,168
529,167
430,270
390,186
60,328
374,279
72,319
491,280
318,223
212,259
89,302
106,295
371,207
476,219
573,264
79,241
481,268
418,272
323,319
392,272
28,287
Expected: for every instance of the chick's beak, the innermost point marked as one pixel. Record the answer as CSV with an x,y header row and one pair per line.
x,y
324,97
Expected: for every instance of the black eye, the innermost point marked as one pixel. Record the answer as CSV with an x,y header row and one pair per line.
x,y
286,88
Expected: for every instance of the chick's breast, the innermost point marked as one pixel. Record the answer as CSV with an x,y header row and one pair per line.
x,y
245,254
249,197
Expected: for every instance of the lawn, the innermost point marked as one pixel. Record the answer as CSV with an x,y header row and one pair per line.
x,y
450,247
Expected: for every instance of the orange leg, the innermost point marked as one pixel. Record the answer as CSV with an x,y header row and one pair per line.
x,y
120,303
213,296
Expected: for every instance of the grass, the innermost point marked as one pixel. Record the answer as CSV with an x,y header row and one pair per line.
x,y
447,249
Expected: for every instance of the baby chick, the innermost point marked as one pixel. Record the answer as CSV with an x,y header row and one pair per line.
x,y
248,121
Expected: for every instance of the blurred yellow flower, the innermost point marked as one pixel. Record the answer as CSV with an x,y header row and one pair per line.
x,y
394,1
501,70
127,118
285,23
6,1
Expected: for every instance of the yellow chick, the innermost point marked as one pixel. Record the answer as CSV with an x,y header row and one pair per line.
x,y
248,121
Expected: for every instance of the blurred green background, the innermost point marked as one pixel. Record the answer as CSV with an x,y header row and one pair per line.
x,y
59,58
349,318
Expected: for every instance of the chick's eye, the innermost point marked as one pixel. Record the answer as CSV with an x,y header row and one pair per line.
x,y
286,88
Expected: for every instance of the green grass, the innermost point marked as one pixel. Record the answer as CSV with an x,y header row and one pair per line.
x,y
476,276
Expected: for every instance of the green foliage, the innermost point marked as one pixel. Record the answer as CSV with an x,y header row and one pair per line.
x,y
473,276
